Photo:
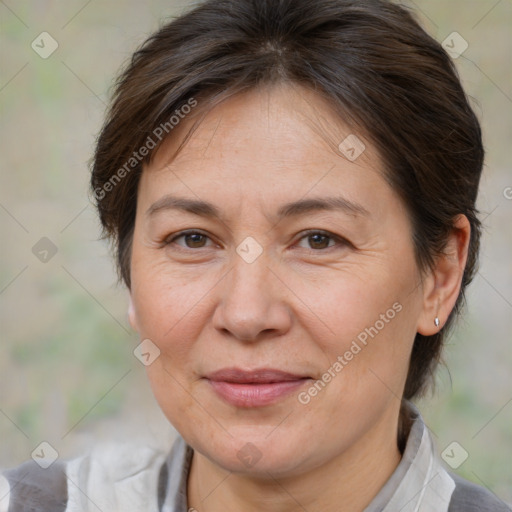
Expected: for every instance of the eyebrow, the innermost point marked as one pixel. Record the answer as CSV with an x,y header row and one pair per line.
x,y
293,209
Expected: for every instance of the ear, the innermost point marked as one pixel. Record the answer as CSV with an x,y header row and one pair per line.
x,y
442,286
131,314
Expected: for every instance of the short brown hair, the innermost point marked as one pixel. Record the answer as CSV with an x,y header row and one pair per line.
x,y
371,60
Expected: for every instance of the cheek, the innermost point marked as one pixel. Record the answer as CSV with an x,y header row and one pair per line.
x,y
348,302
166,301
172,393
367,319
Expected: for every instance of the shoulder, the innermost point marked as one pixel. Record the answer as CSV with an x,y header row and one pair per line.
x,y
470,497
29,487
112,475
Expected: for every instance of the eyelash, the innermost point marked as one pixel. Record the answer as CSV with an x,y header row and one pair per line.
x,y
341,241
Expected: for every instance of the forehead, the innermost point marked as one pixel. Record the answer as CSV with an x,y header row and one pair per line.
x,y
276,140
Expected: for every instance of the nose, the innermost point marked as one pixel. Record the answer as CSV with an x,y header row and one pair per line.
x,y
253,302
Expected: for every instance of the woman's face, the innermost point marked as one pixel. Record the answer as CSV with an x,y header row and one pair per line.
x,y
327,294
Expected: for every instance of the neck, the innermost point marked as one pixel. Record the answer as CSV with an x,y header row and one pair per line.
x,y
347,482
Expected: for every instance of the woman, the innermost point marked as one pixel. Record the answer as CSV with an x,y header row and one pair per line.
x,y
290,187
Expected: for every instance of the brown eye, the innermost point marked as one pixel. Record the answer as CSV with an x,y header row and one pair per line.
x,y
193,239
321,240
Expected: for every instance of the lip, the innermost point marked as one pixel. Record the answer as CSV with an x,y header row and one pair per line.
x,y
254,388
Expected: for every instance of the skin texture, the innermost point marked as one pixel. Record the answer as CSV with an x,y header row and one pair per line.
x,y
297,307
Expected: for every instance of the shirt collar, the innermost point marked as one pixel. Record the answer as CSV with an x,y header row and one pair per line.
x,y
418,484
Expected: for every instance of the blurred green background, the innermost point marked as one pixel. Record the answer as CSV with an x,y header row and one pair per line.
x,y
67,372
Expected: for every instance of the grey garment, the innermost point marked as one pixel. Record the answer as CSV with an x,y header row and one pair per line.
x,y
178,467
469,497
161,479
34,489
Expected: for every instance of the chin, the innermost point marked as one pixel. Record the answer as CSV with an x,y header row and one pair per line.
x,y
255,452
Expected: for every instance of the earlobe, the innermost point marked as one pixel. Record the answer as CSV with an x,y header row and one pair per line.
x,y
445,280
131,314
